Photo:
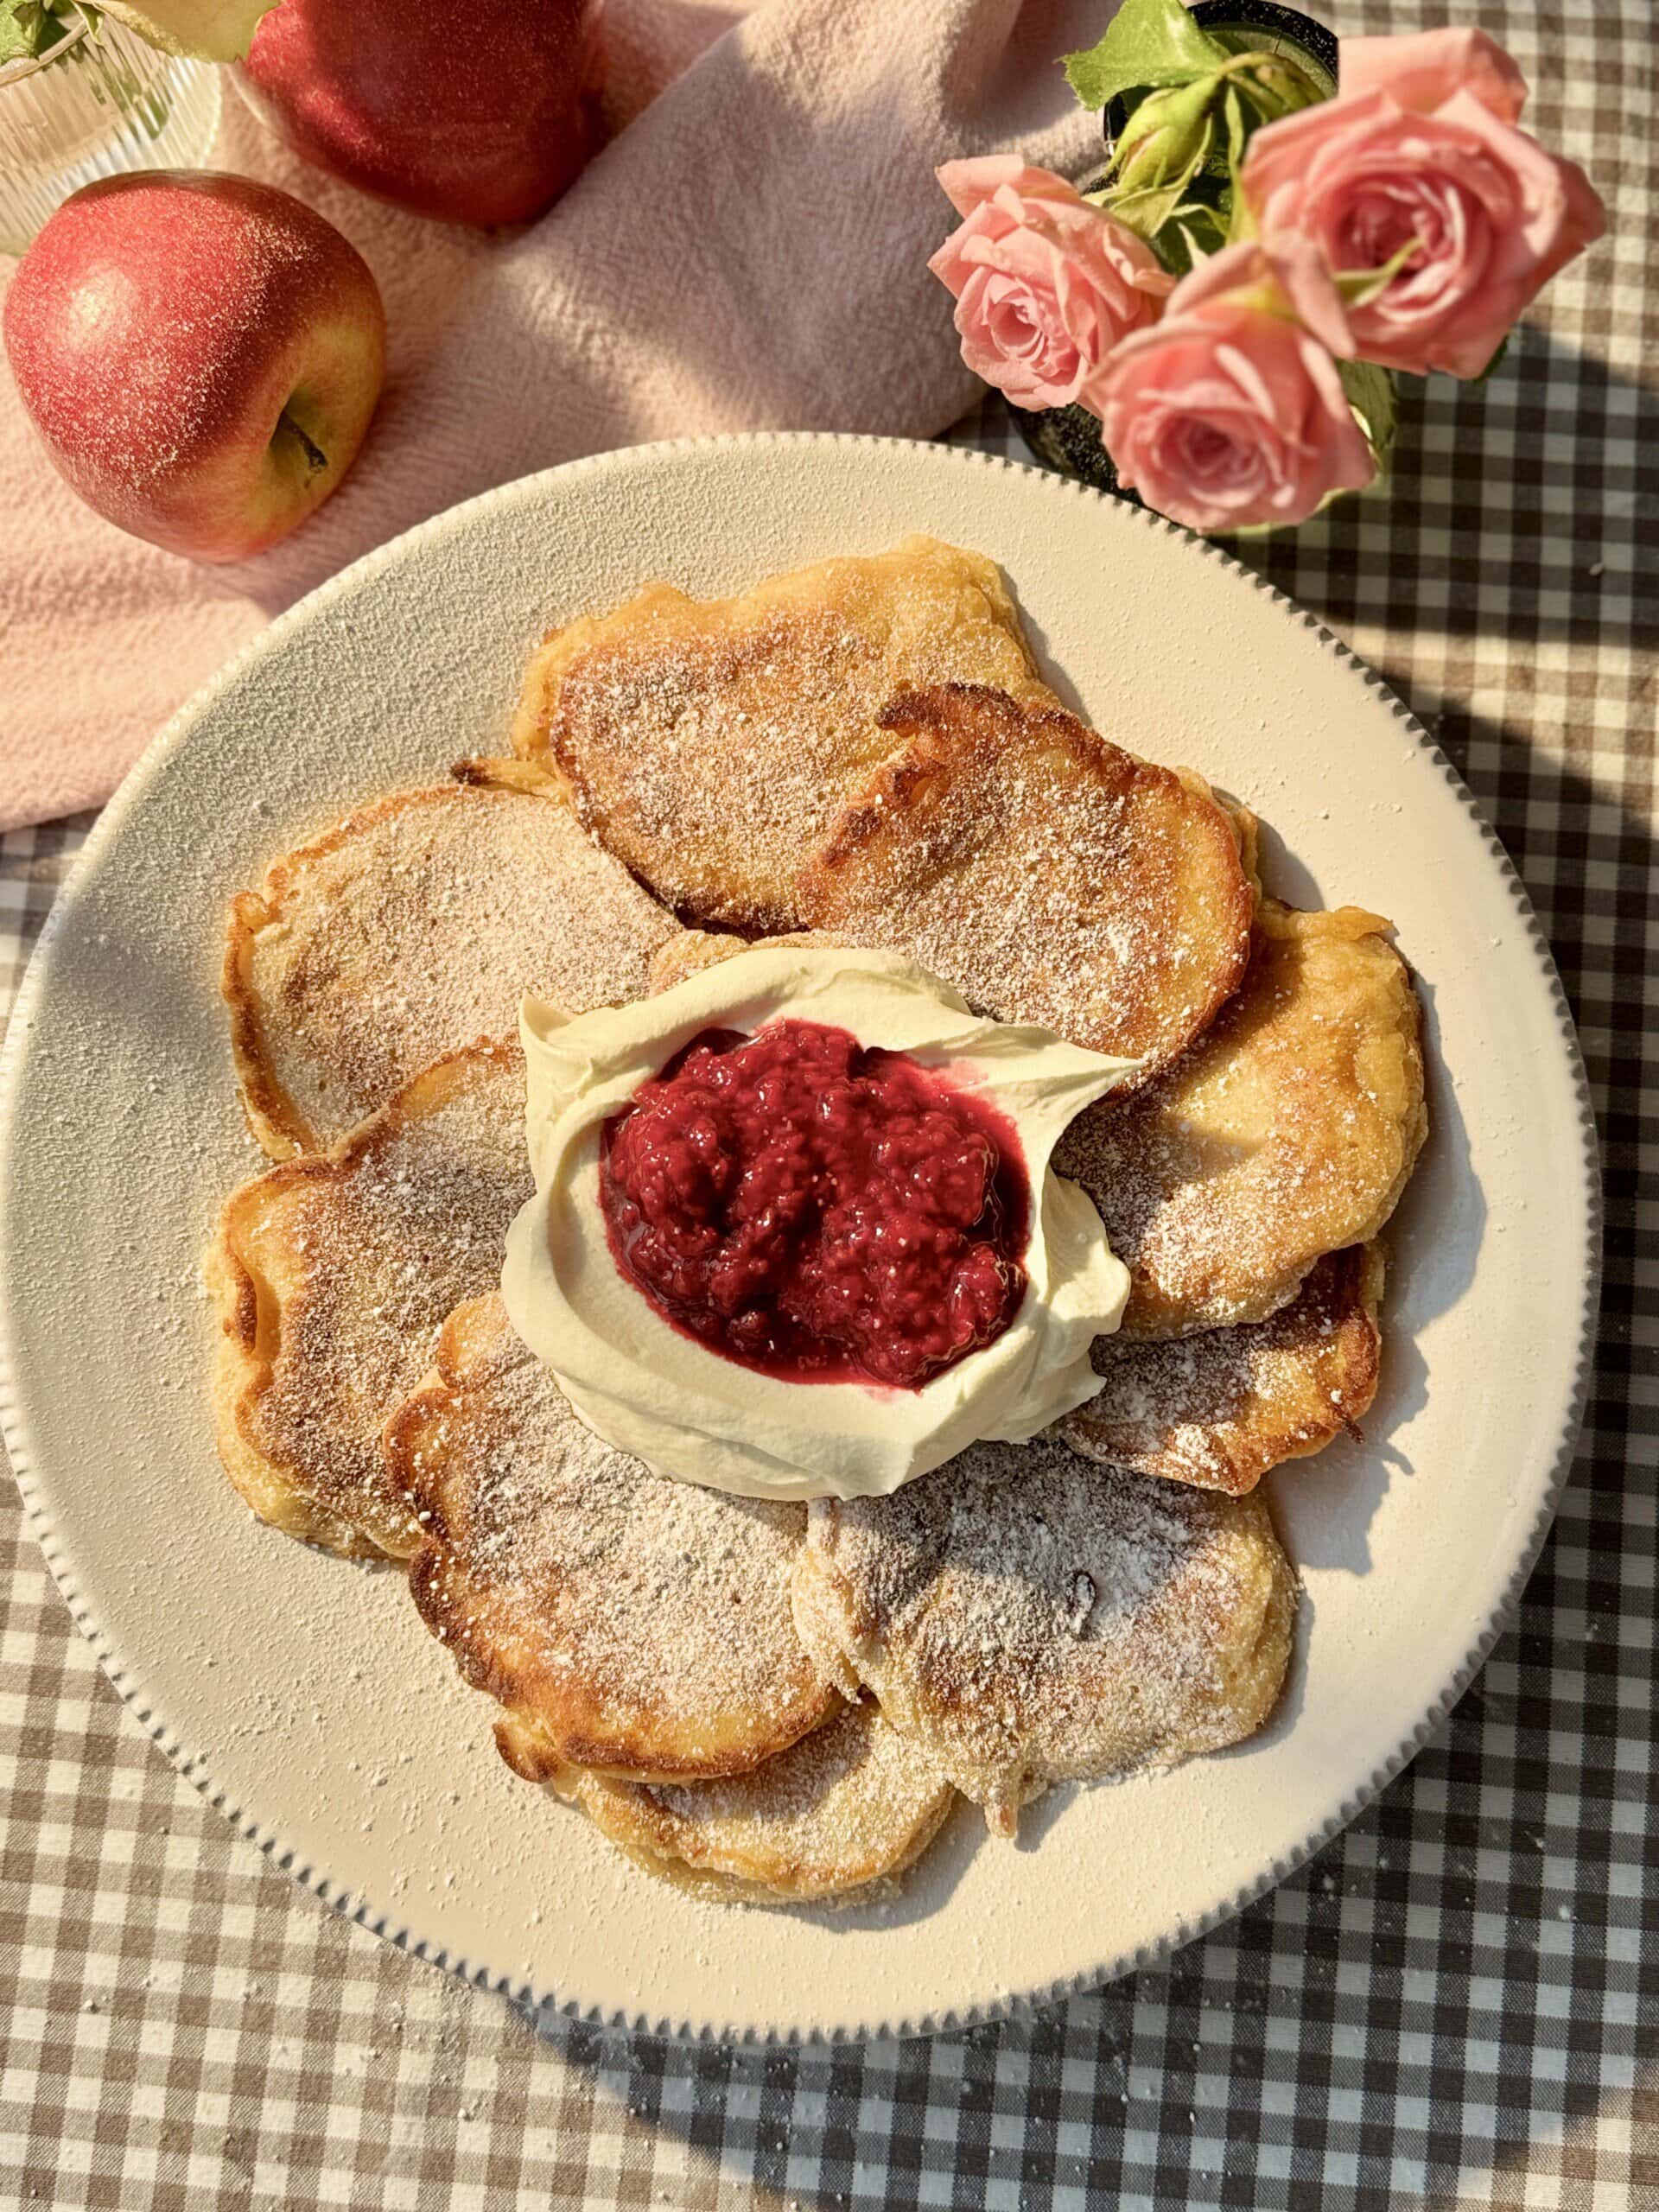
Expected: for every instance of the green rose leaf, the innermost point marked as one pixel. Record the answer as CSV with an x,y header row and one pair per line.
x,y
1238,131
209,30
1194,232
1148,44
28,30
1374,398
1496,359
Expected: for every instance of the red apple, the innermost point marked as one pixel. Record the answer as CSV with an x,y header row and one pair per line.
x,y
481,114
201,355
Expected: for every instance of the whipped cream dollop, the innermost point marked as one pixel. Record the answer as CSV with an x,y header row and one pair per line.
x,y
649,1387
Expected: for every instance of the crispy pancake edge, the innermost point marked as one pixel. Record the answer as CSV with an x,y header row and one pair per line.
x,y
250,1320
668,1847
277,1126
241,1372
1359,1272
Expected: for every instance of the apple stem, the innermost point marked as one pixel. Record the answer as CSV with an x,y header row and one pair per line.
x,y
315,458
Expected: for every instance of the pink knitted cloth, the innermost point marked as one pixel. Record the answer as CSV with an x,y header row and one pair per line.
x,y
748,252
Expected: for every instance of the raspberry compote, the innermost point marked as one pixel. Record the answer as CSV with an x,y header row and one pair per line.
x,y
816,1209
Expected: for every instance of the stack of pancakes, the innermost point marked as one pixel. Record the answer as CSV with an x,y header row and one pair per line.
x,y
774,1701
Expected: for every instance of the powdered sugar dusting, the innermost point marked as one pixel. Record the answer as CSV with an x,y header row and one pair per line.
x,y
415,927
711,744
1048,874
646,1618
1029,1616
738,754
850,1804
1288,1131
367,1255
1221,1407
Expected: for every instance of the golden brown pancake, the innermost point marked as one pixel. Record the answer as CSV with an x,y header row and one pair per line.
x,y
848,1806
1052,877
1219,1408
709,743
695,949
1248,830
1288,1131
1025,1616
628,1623
409,929
332,1276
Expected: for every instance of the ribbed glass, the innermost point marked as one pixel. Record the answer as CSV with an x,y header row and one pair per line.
x,y
94,106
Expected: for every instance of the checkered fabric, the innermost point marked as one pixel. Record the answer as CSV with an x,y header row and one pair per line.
x,y
1457,2004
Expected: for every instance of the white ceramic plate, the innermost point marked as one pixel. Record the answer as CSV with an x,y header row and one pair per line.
x,y
301,1695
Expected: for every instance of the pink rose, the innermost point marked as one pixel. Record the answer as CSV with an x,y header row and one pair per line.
x,y
1228,413
1045,284
1423,69
1419,157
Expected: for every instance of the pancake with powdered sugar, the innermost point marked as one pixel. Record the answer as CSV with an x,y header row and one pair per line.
x,y
1220,1408
409,929
1288,1131
1025,1616
332,1276
628,1623
1049,876
846,1809
710,742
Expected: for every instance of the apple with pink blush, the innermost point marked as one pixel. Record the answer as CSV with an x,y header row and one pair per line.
x,y
200,355
479,115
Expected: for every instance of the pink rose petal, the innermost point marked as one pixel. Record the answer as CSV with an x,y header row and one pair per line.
x,y
1422,70
1045,284
1418,157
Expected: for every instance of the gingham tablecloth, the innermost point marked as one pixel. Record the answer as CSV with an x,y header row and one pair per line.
x,y
1457,2004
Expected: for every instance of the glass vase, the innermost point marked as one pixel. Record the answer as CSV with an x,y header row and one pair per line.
x,y
99,102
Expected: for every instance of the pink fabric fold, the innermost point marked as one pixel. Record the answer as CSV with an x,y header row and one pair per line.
x,y
749,252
